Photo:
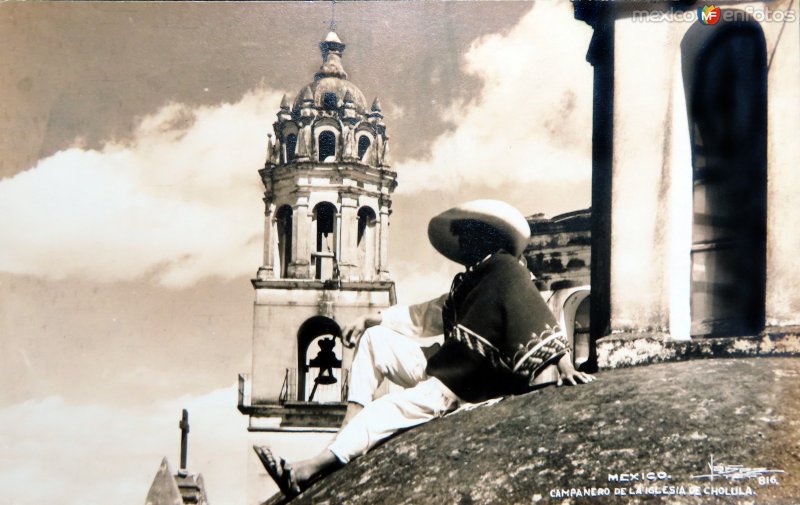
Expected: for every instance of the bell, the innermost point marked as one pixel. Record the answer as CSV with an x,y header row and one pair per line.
x,y
325,377
326,361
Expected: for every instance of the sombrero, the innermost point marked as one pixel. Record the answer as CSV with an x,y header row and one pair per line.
x,y
501,216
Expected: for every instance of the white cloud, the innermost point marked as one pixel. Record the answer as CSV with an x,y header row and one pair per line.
x,y
180,201
532,120
415,285
98,454
91,454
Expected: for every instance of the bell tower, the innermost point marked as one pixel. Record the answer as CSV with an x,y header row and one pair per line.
x,y
327,198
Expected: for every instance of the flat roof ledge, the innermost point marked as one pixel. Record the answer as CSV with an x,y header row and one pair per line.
x,y
633,349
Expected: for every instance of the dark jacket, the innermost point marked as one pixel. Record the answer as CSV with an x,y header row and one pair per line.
x,y
498,331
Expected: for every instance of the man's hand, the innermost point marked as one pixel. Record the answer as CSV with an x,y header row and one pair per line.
x,y
567,372
351,333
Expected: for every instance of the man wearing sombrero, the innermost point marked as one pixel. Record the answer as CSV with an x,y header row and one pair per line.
x,y
498,334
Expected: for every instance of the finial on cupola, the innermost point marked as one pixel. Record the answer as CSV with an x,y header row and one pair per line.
x,y
349,105
375,116
307,102
285,114
332,49
307,96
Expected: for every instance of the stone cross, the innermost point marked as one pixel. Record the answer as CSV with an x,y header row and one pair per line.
x,y
184,426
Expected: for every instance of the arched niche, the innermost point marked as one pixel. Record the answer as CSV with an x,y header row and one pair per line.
x,y
313,331
725,81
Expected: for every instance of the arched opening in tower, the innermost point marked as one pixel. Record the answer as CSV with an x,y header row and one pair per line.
x,y
325,254
327,146
291,147
366,242
363,145
725,80
320,377
283,220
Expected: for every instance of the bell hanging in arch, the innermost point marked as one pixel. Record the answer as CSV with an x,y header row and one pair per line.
x,y
326,361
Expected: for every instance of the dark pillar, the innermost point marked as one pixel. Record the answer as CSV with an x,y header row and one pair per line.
x,y
600,16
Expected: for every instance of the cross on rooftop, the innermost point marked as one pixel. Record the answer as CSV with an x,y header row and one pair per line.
x,y
184,426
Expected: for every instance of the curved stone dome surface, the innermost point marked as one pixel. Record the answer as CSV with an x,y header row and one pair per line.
x,y
670,417
335,85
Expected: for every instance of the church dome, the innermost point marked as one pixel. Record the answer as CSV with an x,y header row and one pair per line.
x,y
331,81
319,89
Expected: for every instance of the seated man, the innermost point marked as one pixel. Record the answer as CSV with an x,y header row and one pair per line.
x,y
498,333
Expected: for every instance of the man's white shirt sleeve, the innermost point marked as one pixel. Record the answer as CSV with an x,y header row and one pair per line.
x,y
418,320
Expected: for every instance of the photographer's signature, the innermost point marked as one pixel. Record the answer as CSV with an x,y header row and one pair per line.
x,y
734,472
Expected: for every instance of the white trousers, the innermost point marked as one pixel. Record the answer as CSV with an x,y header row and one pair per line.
x,y
384,353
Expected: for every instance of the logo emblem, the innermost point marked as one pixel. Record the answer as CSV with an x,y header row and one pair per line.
x,y
709,15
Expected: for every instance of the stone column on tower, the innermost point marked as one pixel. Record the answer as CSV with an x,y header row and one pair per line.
x,y
299,269
349,235
267,270
383,240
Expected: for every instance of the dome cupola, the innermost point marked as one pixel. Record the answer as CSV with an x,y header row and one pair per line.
x,y
330,120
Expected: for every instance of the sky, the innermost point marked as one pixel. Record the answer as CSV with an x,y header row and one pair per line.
x,y
132,137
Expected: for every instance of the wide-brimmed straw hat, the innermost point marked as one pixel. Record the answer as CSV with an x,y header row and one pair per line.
x,y
507,220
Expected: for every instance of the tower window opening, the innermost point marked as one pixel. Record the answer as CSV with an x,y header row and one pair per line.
x,y
284,225
329,101
366,218
291,146
327,146
325,255
363,145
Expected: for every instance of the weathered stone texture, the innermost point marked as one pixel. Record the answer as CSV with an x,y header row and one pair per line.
x,y
624,350
670,417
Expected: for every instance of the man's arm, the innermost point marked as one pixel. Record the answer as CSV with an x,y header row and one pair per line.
x,y
352,332
419,320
